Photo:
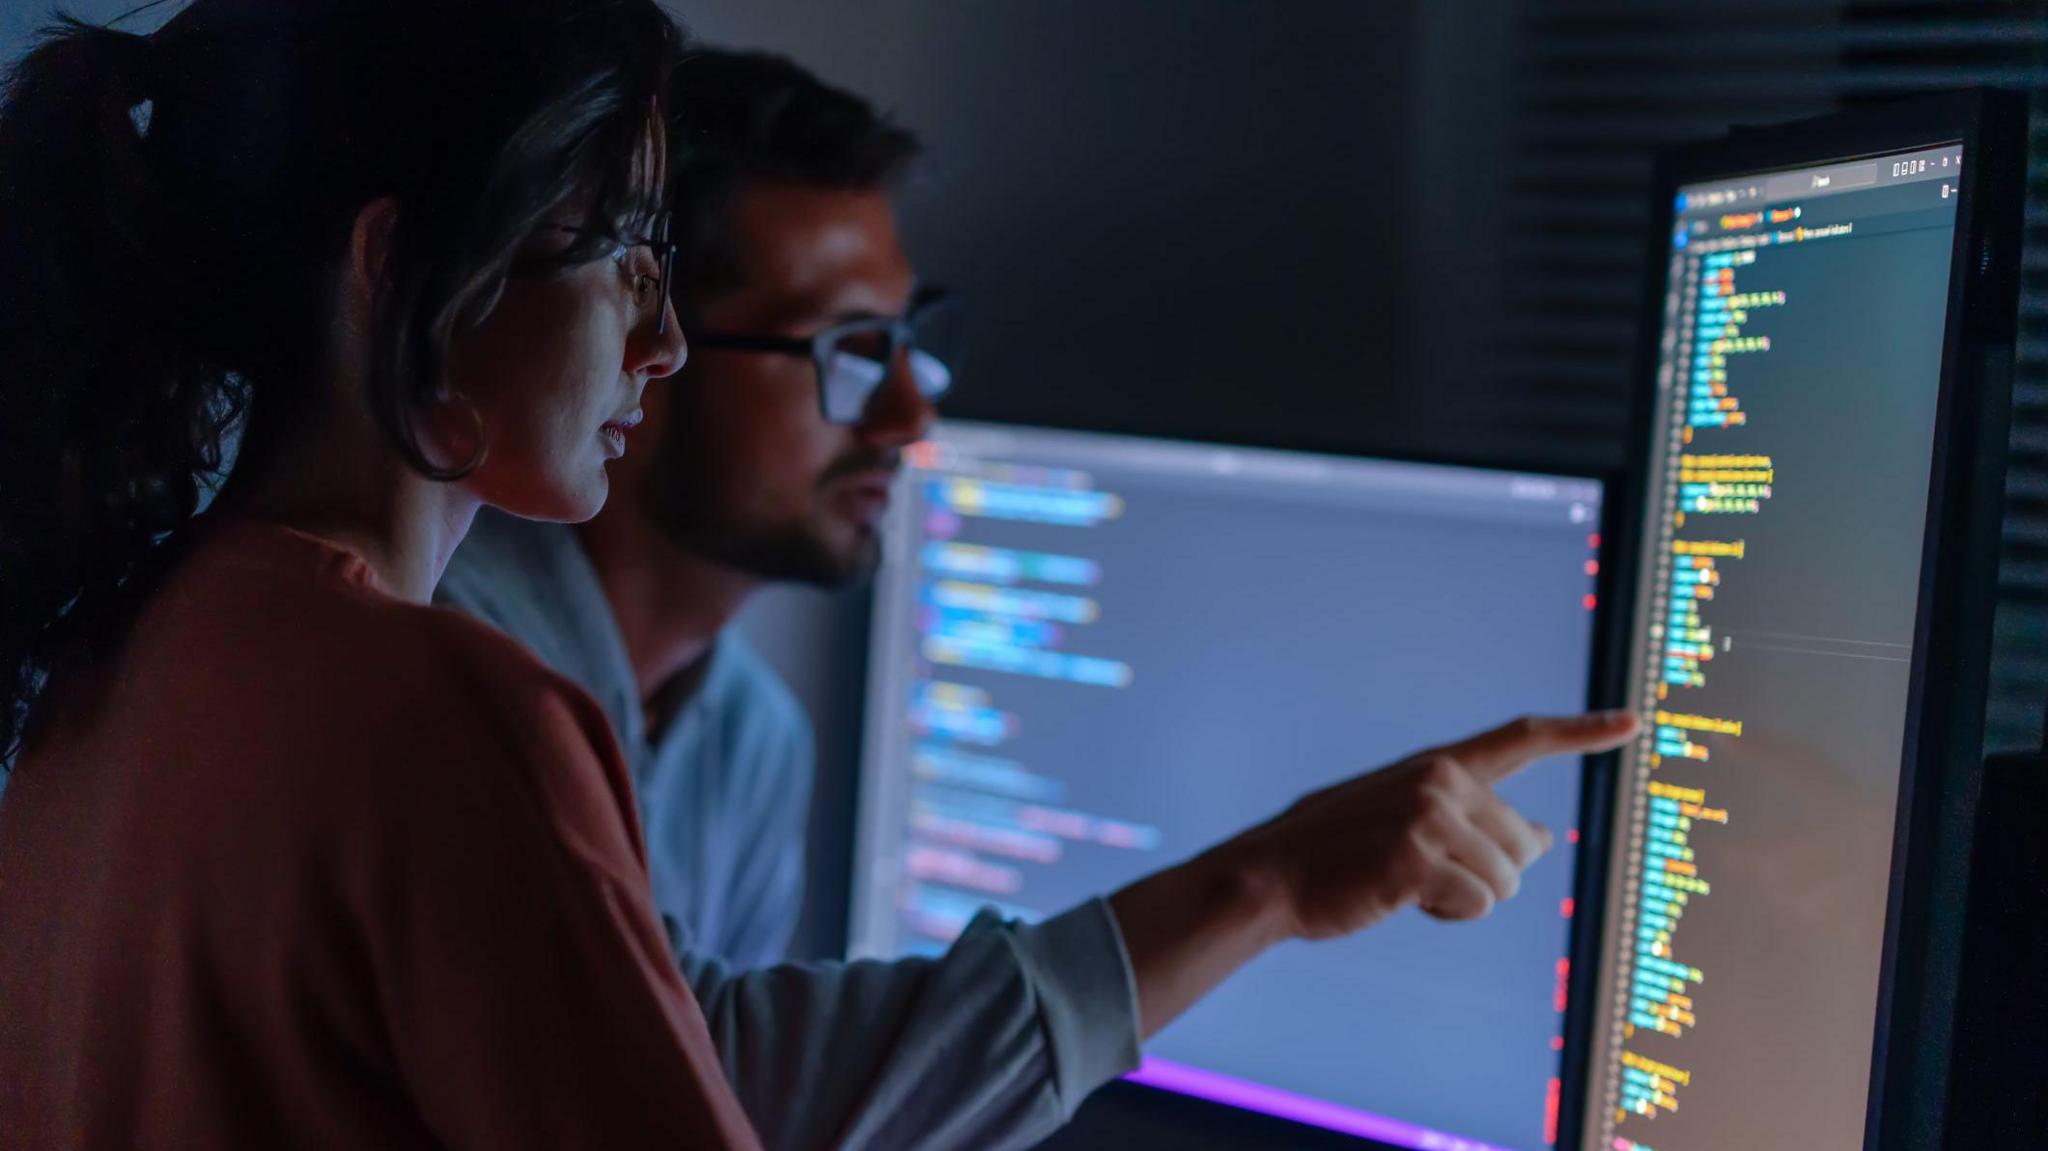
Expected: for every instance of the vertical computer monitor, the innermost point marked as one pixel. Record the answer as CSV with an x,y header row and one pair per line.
x,y
1807,629
1093,656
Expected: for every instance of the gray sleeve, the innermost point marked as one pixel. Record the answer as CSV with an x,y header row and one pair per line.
x,y
992,1045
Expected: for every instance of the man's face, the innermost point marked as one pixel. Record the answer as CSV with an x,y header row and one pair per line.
x,y
748,472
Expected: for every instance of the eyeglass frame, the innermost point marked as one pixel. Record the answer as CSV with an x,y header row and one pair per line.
x,y
656,241
819,348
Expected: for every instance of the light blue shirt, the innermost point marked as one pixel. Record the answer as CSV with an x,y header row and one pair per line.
x,y
992,1045
723,789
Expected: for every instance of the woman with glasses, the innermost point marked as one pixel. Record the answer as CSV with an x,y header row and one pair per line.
x,y
287,857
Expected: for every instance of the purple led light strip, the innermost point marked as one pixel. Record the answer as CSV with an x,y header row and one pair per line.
x,y
1185,1080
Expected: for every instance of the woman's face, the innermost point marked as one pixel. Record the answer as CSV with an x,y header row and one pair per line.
x,y
556,370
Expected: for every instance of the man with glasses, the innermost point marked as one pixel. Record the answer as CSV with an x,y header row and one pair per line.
x,y
814,361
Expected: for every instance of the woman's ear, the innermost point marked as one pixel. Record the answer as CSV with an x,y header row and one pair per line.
x,y
451,432
449,427
362,278
369,250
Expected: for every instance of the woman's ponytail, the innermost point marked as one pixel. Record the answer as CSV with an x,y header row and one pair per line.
x,y
109,417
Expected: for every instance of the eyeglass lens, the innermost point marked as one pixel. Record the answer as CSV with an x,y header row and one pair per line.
x,y
850,381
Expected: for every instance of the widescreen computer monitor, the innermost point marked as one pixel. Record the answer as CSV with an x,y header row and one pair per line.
x,y
1093,656
1806,628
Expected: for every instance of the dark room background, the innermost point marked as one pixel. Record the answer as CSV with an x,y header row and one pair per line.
x,y
1408,227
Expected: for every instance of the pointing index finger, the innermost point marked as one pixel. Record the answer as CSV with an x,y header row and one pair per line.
x,y
1492,756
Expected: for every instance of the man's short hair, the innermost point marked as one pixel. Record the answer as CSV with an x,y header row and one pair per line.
x,y
755,116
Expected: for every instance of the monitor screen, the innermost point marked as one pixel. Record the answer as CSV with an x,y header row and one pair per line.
x,y
1771,640
1093,656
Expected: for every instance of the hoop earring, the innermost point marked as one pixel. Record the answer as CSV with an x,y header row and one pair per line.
x,y
475,434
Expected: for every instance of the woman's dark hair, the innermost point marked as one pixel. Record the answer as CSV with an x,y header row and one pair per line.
x,y
174,209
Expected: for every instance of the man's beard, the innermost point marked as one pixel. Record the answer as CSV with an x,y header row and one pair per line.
x,y
792,553
793,550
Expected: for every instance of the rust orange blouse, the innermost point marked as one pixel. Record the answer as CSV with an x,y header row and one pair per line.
x,y
307,865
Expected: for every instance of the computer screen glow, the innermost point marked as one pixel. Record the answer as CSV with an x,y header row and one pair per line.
x,y
1771,650
1093,656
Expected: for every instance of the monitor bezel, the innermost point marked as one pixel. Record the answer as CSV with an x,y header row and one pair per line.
x,y
1596,772
1941,754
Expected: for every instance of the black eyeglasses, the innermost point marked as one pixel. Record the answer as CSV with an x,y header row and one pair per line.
x,y
650,289
853,359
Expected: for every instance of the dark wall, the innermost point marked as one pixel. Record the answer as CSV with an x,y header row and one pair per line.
x,y
1188,225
